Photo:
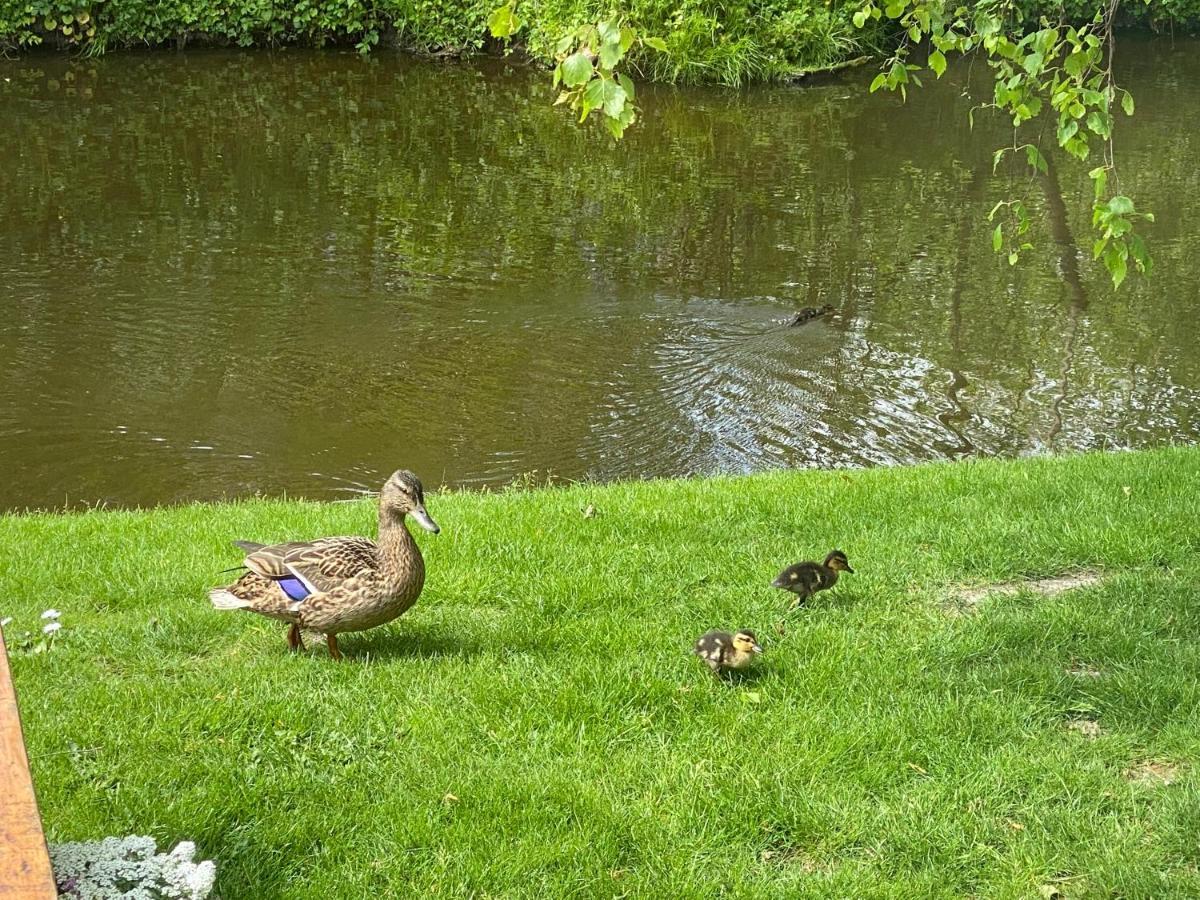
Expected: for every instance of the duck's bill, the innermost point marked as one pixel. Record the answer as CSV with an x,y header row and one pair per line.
x,y
757,648
850,570
424,520
780,583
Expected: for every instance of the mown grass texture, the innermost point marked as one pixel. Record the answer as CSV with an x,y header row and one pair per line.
x,y
536,726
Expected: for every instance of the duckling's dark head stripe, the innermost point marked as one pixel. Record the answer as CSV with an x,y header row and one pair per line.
x,y
293,587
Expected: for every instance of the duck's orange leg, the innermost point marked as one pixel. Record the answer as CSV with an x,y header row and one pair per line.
x,y
331,640
295,642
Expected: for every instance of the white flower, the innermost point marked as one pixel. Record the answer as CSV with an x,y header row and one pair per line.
x,y
129,868
4,622
51,628
51,614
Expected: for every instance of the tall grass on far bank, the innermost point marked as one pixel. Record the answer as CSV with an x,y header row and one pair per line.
x,y
536,725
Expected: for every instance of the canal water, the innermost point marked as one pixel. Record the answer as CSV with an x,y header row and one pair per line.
x,y
227,273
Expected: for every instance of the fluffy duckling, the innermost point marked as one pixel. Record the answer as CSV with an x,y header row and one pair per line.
x,y
722,650
806,578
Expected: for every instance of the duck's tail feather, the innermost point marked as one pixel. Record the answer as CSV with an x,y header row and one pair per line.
x,y
223,599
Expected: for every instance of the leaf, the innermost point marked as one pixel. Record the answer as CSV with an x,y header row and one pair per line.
x,y
616,129
998,238
1097,121
937,62
1120,205
607,94
610,55
655,43
1033,63
879,82
502,23
996,157
1127,103
577,69
1075,63
1013,257
1035,158
1066,131
860,18
1114,261
1141,256
627,83
610,33
628,36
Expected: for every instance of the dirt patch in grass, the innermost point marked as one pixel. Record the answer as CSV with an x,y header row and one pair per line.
x,y
1083,670
966,599
1152,773
795,856
1089,728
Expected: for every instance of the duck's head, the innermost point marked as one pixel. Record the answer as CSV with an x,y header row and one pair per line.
x,y
745,642
837,561
403,495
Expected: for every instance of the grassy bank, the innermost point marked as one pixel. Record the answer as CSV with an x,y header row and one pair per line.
x,y
535,726
707,42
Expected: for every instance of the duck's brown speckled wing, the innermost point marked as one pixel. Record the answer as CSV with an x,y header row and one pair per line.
x,y
324,563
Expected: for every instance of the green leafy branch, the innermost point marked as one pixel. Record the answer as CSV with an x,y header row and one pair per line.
x,y
586,67
1059,71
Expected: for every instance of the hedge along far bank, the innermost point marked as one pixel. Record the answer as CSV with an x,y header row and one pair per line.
x,y
707,41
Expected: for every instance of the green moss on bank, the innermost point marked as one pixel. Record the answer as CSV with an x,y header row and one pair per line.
x,y
535,726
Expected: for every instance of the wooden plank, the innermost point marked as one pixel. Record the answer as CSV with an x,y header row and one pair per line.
x,y
25,872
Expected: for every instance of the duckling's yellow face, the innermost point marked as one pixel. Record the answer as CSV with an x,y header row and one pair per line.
x,y
746,642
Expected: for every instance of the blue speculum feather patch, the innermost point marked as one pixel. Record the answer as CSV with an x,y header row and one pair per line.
x,y
294,588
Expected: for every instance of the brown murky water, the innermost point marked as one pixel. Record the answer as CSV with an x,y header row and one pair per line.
x,y
226,273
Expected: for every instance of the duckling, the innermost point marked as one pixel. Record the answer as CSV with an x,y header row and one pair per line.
x,y
722,650
806,578
809,313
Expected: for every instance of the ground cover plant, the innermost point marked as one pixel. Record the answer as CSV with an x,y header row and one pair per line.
x,y
536,725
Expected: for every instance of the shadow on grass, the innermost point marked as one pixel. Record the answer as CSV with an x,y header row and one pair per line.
x,y
735,677
423,642
792,618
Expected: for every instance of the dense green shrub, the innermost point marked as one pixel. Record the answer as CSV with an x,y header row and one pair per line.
x,y
708,40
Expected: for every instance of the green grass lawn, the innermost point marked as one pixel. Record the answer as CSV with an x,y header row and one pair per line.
x,y
536,725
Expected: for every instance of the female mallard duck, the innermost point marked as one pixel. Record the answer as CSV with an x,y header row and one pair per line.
x,y
806,578
722,650
338,584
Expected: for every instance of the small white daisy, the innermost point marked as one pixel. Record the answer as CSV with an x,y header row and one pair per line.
x,y
51,628
51,614
4,622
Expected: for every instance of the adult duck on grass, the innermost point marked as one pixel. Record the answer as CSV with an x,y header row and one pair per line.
x,y
337,584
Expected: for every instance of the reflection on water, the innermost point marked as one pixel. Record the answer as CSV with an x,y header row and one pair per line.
x,y
227,273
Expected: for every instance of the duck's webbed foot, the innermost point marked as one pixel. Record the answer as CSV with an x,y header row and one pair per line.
x,y
331,641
